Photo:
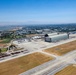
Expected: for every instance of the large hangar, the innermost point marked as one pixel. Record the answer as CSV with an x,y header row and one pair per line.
x,y
56,38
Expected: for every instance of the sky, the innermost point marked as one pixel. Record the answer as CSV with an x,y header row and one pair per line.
x,y
37,11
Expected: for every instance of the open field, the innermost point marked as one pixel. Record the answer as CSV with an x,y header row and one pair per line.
x,y
5,40
30,35
70,70
62,49
3,49
1,40
22,64
2,45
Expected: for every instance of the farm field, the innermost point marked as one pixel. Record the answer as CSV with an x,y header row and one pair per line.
x,y
70,70
22,64
62,49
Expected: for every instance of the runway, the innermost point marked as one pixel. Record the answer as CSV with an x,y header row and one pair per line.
x,y
52,67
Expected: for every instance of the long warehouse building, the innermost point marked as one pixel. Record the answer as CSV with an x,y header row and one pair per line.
x,y
56,38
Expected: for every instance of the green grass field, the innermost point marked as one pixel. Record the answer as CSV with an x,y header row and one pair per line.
x,y
6,40
3,49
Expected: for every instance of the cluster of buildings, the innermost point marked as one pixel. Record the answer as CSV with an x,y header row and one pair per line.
x,y
47,35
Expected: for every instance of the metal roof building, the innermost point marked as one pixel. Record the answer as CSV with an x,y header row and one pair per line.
x,y
56,38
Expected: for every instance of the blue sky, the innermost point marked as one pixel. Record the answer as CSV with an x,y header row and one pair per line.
x,y
38,11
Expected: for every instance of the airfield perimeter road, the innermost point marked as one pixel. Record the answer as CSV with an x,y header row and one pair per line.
x,y
52,67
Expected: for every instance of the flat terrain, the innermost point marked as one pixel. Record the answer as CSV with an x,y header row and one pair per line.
x,y
62,49
70,70
5,40
2,45
22,64
30,35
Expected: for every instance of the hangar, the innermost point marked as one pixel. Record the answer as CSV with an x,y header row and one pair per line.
x,y
56,38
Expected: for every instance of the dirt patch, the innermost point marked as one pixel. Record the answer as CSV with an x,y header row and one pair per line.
x,y
1,40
